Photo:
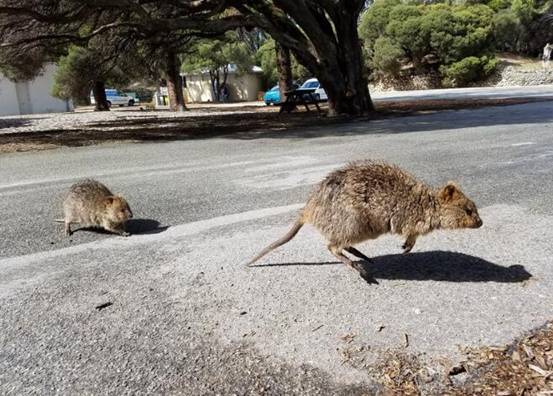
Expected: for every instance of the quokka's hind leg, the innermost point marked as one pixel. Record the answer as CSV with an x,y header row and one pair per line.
x,y
357,253
337,252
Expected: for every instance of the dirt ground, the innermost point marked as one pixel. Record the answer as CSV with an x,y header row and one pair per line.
x,y
524,367
209,121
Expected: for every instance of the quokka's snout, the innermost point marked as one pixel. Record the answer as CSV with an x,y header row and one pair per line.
x,y
456,209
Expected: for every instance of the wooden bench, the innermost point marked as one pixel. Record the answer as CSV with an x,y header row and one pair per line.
x,y
300,96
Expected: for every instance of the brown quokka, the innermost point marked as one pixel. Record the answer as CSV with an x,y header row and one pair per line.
x,y
91,204
366,199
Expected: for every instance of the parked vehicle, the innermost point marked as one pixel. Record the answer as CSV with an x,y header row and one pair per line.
x,y
116,97
320,93
272,96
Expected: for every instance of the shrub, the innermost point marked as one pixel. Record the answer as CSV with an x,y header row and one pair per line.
x,y
467,70
525,10
386,57
507,29
451,39
373,22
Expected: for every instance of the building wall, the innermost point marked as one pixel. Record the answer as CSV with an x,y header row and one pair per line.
x,y
198,88
8,97
31,97
245,87
241,87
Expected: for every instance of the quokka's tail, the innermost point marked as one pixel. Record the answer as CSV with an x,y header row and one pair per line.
x,y
286,238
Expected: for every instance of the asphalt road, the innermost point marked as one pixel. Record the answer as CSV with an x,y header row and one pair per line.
x,y
535,92
186,315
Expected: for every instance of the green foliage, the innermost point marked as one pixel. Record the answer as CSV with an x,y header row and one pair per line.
x,y
386,56
373,22
78,70
21,66
429,37
467,70
68,83
406,30
266,58
525,10
498,5
507,31
215,54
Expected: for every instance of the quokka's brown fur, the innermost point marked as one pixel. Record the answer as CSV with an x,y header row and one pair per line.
x,y
366,199
91,204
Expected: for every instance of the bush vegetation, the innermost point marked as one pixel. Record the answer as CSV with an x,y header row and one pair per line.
x,y
455,40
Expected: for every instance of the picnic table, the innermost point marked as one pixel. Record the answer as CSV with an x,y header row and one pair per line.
x,y
299,96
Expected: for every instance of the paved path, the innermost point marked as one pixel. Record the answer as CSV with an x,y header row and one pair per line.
x,y
535,92
188,317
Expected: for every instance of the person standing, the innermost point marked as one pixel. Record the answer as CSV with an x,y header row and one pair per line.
x,y
547,54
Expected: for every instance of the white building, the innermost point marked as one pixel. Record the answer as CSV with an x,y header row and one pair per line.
x,y
242,87
31,97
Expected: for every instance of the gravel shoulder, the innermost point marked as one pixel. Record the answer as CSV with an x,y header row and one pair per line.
x,y
250,121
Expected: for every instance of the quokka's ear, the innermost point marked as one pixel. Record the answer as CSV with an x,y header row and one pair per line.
x,y
449,192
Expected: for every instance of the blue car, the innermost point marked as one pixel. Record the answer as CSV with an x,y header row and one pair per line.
x,y
272,96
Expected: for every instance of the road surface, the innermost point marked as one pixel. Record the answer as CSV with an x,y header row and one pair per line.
x,y
173,309
530,92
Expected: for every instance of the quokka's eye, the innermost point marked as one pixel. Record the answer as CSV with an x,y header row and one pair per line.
x,y
469,212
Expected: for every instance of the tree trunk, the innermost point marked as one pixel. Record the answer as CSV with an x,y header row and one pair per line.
x,y
323,37
225,75
215,78
99,93
224,98
353,96
284,68
174,83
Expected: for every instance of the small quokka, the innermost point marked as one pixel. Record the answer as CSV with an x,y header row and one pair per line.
x,y
91,204
366,199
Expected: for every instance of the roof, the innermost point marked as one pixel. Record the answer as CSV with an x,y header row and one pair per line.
x,y
232,68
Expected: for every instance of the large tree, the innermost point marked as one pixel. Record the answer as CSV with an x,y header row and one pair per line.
x,y
158,28
322,34
284,69
215,55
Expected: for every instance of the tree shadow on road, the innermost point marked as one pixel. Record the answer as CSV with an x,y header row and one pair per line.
x,y
17,122
264,124
435,265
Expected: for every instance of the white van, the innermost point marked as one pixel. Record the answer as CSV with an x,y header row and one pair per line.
x,y
116,97
320,93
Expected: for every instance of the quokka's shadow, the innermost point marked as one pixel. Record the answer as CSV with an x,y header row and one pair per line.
x,y
434,265
144,226
134,226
